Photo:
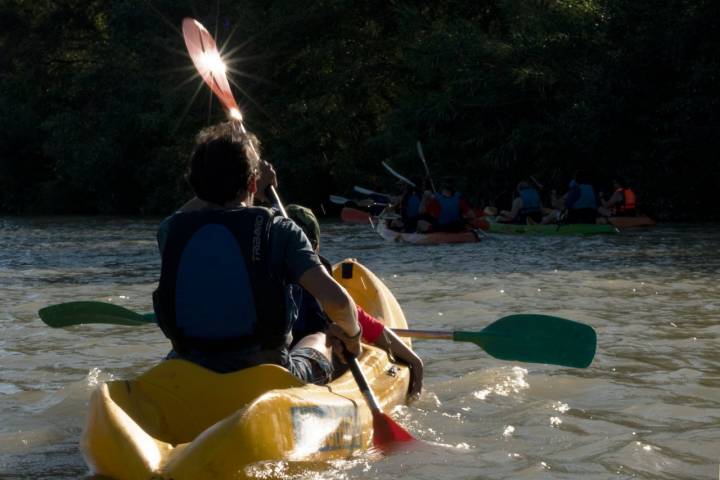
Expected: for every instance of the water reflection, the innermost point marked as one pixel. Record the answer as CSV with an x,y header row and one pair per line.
x,y
649,406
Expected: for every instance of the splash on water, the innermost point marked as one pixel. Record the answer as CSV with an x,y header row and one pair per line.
x,y
513,383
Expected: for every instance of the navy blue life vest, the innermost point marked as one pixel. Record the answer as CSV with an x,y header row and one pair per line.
x,y
411,206
449,208
530,199
587,198
217,291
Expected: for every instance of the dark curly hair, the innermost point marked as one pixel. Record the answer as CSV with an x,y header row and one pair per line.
x,y
222,163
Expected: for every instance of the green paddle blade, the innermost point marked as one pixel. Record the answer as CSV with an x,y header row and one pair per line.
x,y
536,339
77,313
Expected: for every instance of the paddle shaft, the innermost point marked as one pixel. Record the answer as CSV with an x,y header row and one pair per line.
x,y
362,383
427,170
429,334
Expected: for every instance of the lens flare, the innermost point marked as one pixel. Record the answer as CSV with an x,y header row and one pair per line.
x,y
212,62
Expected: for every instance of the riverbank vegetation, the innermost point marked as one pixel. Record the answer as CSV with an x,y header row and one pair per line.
x,y
99,103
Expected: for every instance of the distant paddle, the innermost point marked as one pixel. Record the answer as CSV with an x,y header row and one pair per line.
x,y
367,191
421,154
366,202
522,338
397,175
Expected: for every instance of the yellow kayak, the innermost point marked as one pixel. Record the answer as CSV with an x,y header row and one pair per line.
x,y
180,421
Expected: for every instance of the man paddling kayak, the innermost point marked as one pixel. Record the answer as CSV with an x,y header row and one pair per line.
x,y
621,203
448,210
312,319
224,298
526,207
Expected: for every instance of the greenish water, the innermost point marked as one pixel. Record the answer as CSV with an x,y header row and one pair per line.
x,y
648,407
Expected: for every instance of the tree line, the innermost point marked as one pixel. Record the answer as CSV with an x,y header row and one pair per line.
x,y
100,103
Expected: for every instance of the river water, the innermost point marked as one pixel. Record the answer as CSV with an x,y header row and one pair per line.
x,y
647,407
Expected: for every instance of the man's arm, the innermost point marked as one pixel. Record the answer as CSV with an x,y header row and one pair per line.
x,y
336,302
516,207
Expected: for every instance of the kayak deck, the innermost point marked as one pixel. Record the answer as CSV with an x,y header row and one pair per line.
x,y
181,421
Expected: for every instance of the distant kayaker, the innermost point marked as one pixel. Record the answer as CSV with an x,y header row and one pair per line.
x,y
526,207
409,205
312,319
580,200
448,209
622,202
227,267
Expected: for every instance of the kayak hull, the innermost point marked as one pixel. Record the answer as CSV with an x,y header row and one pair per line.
x,y
353,215
631,222
434,238
181,421
561,229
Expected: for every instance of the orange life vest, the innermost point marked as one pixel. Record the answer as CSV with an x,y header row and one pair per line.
x,y
628,200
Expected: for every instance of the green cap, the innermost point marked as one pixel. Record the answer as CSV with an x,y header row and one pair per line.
x,y
305,219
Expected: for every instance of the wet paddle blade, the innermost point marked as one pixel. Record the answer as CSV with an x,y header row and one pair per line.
x,y
78,313
387,433
536,339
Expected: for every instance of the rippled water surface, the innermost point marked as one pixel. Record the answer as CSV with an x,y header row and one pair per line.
x,y
648,407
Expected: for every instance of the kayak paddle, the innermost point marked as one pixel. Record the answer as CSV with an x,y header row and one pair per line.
x,y
367,191
367,202
527,338
386,431
427,170
397,175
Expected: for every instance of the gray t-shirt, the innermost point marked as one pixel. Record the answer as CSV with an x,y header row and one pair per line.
x,y
290,250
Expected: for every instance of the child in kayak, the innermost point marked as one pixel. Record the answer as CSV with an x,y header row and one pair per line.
x,y
312,319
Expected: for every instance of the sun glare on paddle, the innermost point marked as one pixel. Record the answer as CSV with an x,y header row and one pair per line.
x,y
212,62
235,114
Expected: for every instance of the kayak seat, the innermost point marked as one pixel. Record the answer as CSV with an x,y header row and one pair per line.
x,y
177,400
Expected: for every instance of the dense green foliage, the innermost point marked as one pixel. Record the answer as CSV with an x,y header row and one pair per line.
x,y
99,103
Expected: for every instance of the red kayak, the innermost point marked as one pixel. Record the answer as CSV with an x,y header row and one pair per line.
x,y
631,222
353,215
426,238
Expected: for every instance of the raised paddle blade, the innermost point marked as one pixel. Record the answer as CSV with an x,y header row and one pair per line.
x,y
78,313
536,339
206,57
